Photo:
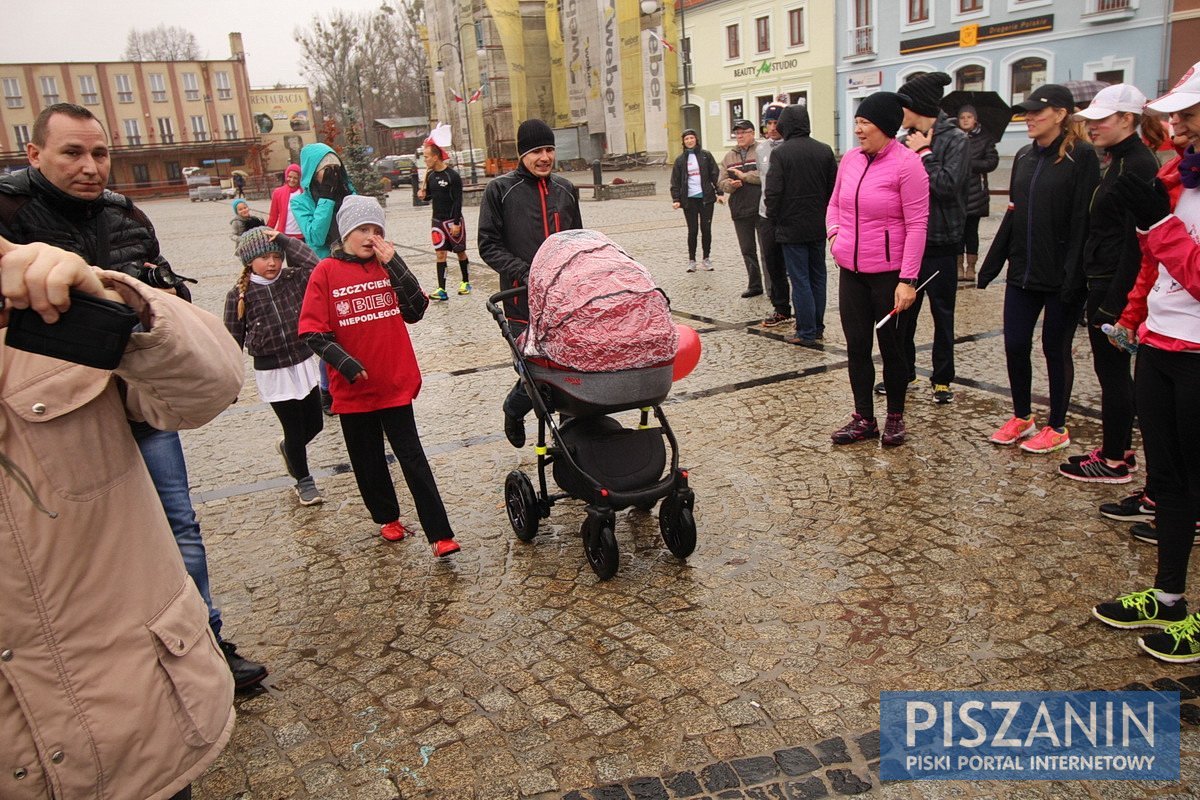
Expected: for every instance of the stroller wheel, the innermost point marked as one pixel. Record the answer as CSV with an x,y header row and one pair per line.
x,y
600,545
677,525
520,502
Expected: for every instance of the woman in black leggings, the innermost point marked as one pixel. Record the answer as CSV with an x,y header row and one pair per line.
x,y
694,189
1041,237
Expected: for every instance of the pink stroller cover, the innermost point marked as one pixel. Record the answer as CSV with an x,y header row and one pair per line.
x,y
592,308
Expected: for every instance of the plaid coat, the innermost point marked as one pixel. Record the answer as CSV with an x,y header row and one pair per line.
x,y
269,330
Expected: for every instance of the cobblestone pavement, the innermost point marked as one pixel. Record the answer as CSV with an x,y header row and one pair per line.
x,y
822,576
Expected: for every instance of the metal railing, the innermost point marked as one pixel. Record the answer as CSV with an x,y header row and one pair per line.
x,y
862,41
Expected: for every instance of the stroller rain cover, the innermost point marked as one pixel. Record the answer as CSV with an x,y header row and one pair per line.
x,y
592,308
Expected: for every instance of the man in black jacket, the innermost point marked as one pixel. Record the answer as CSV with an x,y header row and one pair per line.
x,y
944,151
799,185
521,210
61,200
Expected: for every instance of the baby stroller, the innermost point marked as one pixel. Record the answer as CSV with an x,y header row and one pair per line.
x,y
600,341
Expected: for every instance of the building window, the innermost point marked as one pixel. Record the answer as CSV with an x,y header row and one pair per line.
x,y
761,102
796,27
133,134
1027,74
970,78
969,6
49,89
1111,77
174,172
191,87
166,130
141,174
22,135
862,34
12,93
686,48
199,132
158,88
737,110
124,90
223,90
762,34
229,123
87,90
918,11
733,42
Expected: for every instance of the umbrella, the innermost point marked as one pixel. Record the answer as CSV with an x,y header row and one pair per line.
x,y
990,109
1082,92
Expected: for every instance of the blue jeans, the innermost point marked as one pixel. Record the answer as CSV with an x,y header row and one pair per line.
x,y
163,453
805,262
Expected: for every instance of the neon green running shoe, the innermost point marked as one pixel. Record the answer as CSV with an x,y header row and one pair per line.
x,y
464,288
1140,610
1178,643
440,294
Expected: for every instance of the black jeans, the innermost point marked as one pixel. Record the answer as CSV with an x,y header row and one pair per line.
x,y
942,292
698,215
773,264
301,421
970,243
1166,386
863,300
1022,308
1116,384
747,236
364,433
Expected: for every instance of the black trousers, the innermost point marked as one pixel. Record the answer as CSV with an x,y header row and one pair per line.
x,y
1167,389
364,433
1116,383
301,421
863,300
698,215
775,268
1022,308
942,292
747,236
517,403
970,243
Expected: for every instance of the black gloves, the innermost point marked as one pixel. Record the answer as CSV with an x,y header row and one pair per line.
x,y
331,185
1146,202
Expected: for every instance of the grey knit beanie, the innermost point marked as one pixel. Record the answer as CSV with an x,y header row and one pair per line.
x,y
358,210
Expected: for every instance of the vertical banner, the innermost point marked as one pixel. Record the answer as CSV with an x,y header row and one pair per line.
x,y
654,91
630,33
576,60
612,95
558,73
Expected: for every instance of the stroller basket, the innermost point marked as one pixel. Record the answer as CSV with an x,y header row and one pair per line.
x,y
582,394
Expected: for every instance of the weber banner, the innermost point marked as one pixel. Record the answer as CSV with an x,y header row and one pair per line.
x,y
654,90
612,96
1029,736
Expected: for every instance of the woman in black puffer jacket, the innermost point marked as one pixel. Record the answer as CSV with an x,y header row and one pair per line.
x,y
984,159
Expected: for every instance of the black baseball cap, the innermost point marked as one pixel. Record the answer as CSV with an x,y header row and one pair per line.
x,y
1050,94
743,125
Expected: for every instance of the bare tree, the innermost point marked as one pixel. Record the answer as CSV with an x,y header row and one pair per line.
x,y
163,43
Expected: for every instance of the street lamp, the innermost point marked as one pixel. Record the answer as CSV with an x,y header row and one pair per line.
x,y
440,72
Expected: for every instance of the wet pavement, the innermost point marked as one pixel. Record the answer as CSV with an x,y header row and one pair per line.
x,y
822,575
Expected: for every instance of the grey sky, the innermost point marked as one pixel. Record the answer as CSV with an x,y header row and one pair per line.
x,y
84,30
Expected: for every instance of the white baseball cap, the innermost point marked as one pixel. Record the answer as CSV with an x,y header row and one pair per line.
x,y
1185,94
1113,99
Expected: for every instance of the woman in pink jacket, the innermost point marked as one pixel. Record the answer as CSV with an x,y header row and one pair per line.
x,y
876,221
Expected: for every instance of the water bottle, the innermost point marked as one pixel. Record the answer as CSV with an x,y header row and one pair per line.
x,y
1119,336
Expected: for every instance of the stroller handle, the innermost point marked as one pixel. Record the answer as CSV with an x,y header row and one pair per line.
x,y
494,303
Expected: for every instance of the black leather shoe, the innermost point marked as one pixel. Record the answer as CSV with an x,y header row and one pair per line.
x,y
246,673
514,429
752,293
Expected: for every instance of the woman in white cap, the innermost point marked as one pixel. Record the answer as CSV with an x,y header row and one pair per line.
x,y
1111,259
1163,316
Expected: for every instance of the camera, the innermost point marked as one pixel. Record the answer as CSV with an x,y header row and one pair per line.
x,y
160,276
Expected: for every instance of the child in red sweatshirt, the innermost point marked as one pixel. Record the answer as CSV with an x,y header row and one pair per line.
x,y
354,313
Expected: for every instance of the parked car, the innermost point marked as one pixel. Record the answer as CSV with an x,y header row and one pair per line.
x,y
397,169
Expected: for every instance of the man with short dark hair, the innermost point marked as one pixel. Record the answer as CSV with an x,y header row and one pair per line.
x,y
741,184
61,200
520,210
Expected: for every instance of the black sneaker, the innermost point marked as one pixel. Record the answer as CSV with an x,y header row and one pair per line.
x,y
514,429
1178,643
246,673
881,387
1094,469
1140,610
751,293
1130,458
1135,507
942,394
775,319
1145,532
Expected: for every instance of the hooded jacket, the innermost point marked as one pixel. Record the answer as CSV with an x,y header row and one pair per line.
x,y
314,215
709,175
800,182
111,682
1046,224
948,166
519,211
879,211
984,159
281,198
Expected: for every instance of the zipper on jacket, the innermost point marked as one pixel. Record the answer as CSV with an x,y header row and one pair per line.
x,y
857,189
887,245
1029,222
545,217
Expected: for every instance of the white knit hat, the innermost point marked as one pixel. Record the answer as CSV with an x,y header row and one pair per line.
x,y
357,211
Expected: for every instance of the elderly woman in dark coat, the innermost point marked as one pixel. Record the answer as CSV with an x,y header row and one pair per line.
x,y
984,159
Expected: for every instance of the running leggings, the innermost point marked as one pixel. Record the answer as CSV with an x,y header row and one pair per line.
x,y
1022,308
301,421
1116,383
698,215
863,299
971,236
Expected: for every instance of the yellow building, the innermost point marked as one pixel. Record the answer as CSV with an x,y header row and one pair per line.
x,y
161,116
283,117
745,54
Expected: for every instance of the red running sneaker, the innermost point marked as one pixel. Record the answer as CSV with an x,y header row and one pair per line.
x,y
445,547
393,531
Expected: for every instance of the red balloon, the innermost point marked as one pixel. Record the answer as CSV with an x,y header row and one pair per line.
x,y
688,354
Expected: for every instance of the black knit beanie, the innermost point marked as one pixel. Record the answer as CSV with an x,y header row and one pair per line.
x,y
533,134
685,133
885,110
925,92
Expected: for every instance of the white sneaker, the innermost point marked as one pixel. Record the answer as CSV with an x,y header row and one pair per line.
x,y
708,267
691,266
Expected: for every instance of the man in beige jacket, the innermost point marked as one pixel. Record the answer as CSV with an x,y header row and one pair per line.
x,y
112,686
